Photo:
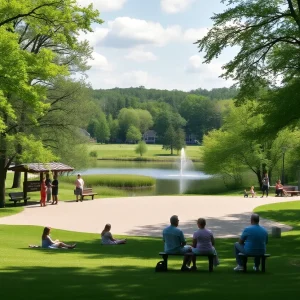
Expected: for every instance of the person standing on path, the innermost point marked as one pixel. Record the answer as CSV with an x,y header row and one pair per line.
x,y
79,184
49,187
54,190
43,192
265,185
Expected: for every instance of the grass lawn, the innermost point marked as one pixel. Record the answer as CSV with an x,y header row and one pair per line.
x,y
127,151
92,271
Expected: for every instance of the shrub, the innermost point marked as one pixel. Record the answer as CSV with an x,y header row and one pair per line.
x,y
114,180
93,154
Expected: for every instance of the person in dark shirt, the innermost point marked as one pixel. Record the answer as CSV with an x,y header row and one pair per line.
x,y
55,190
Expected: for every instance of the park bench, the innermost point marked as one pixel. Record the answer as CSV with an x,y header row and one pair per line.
x,y
291,190
88,192
17,197
262,259
210,257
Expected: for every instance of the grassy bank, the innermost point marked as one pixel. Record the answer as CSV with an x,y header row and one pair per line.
x,y
127,271
127,152
113,180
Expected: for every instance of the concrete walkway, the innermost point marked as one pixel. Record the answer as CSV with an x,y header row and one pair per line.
x,y
147,216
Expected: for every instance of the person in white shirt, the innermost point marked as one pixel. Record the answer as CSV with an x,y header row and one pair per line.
x,y
79,184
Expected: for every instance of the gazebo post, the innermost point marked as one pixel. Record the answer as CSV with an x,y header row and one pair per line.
x,y
25,187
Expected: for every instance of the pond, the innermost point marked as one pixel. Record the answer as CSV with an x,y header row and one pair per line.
x,y
169,178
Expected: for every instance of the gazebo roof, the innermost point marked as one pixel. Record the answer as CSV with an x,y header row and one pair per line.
x,y
41,167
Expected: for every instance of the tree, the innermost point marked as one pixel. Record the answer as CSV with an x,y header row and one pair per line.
x,y
127,117
236,145
38,39
146,121
141,148
179,140
133,134
169,139
102,132
113,128
267,34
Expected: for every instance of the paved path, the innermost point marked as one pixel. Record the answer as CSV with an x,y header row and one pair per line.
x,y
147,216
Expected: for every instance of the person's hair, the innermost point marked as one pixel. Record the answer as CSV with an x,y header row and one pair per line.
x,y
46,232
255,218
174,220
106,229
201,222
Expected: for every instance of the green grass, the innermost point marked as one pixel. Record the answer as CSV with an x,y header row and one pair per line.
x,y
127,152
113,180
127,271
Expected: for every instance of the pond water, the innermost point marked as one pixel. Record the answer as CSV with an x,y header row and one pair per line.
x,y
169,179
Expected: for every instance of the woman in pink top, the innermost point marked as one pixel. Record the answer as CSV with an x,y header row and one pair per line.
x,y
203,241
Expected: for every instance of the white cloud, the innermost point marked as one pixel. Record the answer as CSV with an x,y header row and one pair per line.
x,y
125,32
103,5
94,37
195,65
134,78
139,55
175,6
195,34
99,62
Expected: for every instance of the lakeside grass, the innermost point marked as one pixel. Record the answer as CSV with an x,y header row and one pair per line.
x,y
127,271
154,153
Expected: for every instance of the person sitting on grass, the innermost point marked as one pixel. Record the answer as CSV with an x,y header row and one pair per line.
x,y
175,244
203,241
252,242
107,238
47,242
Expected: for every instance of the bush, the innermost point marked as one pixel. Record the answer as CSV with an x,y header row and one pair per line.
x,y
113,180
93,154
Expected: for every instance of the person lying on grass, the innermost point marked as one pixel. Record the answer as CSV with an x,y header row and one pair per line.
x,y
107,238
47,242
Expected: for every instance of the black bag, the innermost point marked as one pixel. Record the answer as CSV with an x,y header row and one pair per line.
x,y
161,266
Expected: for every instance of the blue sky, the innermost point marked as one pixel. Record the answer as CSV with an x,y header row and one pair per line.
x,y
150,43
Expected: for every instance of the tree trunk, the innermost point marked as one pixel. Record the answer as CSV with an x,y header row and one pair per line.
x,y
2,180
17,180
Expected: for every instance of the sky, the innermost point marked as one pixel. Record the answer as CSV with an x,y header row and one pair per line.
x,y
151,43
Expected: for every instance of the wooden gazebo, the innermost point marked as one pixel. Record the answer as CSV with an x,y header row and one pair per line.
x,y
41,168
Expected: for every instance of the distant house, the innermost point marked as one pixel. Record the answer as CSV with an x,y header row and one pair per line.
x,y
149,137
191,139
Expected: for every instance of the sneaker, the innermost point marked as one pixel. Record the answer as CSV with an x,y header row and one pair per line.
x,y
239,268
185,269
256,269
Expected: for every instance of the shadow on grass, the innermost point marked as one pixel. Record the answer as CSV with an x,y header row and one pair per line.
x,y
227,226
140,282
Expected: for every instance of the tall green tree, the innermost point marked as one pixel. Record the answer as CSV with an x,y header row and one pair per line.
x,y
36,46
267,36
169,139
133,134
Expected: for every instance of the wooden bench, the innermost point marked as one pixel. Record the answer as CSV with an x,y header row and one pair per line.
x,y
261,257
291,190
88,192
17,197
210,257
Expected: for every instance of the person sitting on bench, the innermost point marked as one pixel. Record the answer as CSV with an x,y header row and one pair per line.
x,y
203,241
174,243
279,191
47,242
252,242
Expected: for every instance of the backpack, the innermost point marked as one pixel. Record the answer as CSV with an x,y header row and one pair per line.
x,y
161,266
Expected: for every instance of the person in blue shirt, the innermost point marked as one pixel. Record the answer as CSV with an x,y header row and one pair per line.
x,y
174,243
252,242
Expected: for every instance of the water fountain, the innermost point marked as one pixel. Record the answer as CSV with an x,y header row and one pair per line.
x,y
185,164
